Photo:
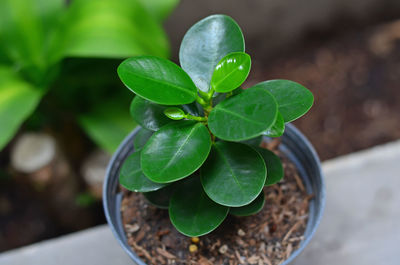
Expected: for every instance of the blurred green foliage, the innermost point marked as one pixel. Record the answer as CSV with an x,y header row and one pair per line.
x,y
36,37
85,199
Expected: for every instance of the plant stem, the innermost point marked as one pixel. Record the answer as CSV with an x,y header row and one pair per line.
x,y
203,94
201,101
210,94
195,118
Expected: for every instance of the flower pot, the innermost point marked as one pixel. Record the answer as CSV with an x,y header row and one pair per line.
x,y
294,145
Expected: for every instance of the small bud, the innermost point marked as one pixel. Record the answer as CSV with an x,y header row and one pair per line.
x,y
174,113
195,240
193,248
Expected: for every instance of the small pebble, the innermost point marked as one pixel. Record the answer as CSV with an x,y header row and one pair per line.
x,y
262,247
223,249
195,240
132,228
193,248
241,232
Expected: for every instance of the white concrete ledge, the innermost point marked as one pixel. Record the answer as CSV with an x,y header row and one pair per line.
x,y
95,246
360,225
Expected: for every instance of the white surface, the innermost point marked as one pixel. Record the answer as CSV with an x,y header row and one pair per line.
x,y
95,246
360,225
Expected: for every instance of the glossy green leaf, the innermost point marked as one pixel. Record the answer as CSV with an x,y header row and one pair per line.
x,y
254,142
192,212
274,166
175,151
132,178
234,174
293,99
158,80
231,72
18,99
174,113
205,44
148,114
142,136
161,197
250,209
108,123
160,9
277,129
111,28
243,116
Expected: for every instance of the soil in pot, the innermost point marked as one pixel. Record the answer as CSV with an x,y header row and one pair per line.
x,y
268,237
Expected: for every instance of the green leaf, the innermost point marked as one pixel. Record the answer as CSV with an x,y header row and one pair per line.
x,y
160,9
148,114
175,151
293,99
3,57
250,209
274,166
157,80
132,178
231,72
254,142
141,138
111,29
192,212
162,197
26,30
234,174
108,123
243,116
205,44
277,129
18,99
174,113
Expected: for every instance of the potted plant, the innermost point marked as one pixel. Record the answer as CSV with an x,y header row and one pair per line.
x,y
199,155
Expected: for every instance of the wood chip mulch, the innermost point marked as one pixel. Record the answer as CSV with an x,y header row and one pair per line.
x,y
268,237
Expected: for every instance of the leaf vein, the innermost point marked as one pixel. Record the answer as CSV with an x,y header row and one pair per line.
x,y
238,115
187,91
170,162
230,169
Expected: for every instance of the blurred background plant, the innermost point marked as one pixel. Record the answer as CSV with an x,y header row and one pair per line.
x,y
37,37
58,80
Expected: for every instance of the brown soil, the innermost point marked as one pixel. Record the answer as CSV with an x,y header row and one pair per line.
x,y
268,237
355,79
